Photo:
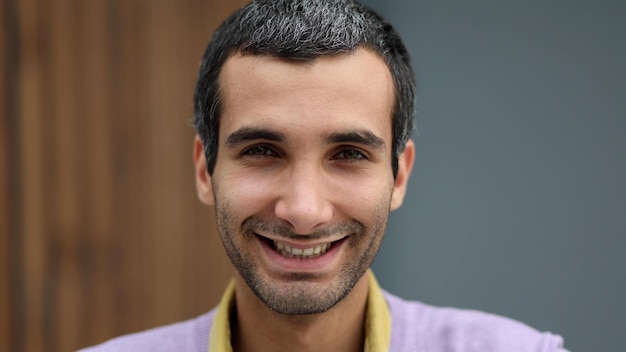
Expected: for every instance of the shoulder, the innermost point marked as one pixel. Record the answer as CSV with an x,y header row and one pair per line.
x,y
190,335
418,326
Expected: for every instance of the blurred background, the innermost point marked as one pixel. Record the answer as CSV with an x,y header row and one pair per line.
x,y
102,233
517,203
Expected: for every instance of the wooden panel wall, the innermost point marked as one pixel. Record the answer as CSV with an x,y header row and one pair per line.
x,y
101,231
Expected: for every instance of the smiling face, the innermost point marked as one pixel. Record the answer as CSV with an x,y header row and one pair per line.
x,y
303,183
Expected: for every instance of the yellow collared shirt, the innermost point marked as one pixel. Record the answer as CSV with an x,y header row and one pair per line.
x,y
377,320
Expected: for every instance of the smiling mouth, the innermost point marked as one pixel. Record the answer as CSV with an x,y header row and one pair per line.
x,y
301,253
290,251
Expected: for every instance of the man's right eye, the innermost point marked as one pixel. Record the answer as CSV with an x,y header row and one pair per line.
x,y
260,150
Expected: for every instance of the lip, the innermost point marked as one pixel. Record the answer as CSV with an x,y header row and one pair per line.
x,y
280,263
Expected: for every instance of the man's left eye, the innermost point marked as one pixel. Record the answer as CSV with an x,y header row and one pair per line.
x,y
349,154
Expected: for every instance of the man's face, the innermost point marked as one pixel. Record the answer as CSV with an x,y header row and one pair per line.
x,y
303,183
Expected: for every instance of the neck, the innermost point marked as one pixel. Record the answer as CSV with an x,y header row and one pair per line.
x,y
256,328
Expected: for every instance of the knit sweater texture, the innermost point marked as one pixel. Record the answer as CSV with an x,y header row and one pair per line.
x,y
415,327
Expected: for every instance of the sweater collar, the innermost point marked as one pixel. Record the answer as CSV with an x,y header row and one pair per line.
x,y
377,320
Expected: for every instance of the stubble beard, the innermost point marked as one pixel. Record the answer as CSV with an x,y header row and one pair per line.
x,y
300,295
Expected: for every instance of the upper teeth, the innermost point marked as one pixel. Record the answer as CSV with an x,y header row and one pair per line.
x,y
292,252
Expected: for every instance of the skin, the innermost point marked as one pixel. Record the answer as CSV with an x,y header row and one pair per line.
x,y
304,158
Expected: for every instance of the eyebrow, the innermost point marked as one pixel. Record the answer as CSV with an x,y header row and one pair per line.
x,y
362,137
247,134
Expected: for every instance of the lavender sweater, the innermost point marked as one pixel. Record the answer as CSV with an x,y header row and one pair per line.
x,y
416,327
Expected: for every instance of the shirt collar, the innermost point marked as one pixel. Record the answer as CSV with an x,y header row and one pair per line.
x,y
377,320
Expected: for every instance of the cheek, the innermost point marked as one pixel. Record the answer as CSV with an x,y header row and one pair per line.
x,y
363,199
244,192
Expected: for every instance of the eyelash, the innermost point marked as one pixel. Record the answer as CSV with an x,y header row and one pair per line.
x,y
266,151
262,150
358,157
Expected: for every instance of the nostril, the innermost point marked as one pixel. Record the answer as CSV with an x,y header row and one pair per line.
x,y
303,214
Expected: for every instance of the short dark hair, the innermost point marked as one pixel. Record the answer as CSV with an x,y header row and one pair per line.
x,y
302,30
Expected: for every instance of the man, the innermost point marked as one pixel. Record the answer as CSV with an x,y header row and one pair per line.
x,y
304,110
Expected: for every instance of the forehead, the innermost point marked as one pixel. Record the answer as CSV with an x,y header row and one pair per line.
x,y
352,90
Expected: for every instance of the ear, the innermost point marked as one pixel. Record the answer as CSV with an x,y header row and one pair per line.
x,y
203,179
405,164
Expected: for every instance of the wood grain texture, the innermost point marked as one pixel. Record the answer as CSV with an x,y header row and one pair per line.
x,y
7,83
101,230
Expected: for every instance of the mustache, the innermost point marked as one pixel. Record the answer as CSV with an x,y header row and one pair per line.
x,y
257,225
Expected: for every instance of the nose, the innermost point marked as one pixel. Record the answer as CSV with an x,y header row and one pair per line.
x,y
303,201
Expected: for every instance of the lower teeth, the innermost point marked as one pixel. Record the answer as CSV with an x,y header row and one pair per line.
x,y
285,254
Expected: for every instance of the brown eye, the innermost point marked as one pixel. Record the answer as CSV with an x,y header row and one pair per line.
x,y
349,154
260,150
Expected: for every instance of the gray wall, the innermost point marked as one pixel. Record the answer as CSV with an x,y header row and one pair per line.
x,y
517,203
